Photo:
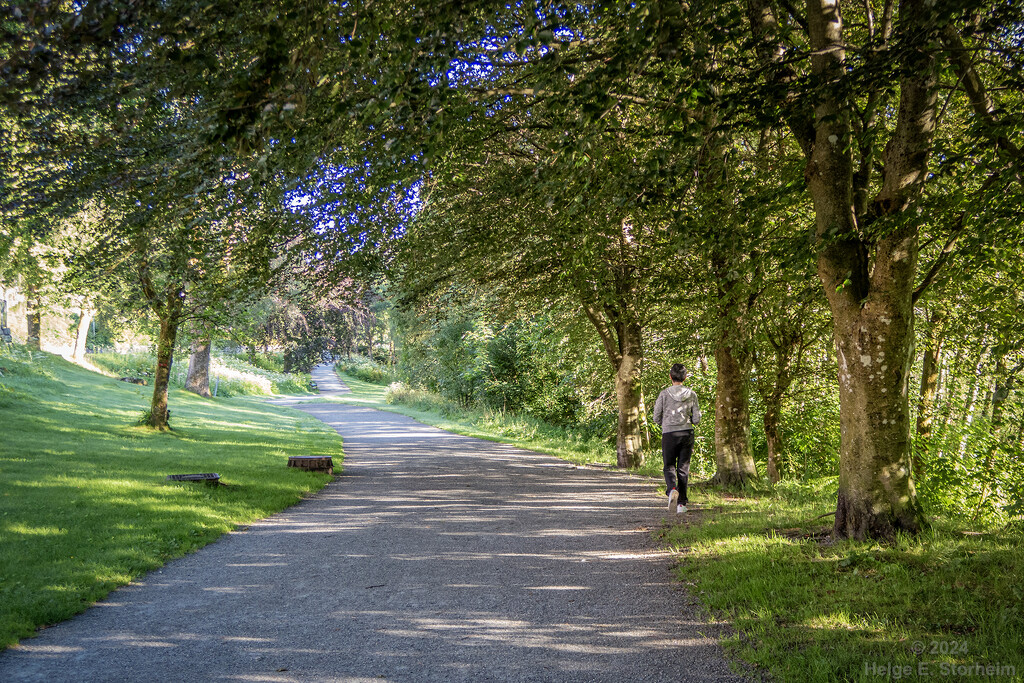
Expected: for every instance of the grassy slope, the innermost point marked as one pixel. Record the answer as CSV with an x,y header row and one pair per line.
x,y
84,505
809,611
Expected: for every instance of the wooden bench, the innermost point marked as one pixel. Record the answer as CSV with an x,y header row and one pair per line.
x,y
313,463
209,478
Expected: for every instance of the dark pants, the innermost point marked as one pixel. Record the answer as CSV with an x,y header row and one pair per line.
x,y
676,450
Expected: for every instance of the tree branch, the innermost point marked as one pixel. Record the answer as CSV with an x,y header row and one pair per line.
x,y
981,100
949,247
604,331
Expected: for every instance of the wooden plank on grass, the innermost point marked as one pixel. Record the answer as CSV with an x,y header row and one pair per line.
x,y
313,463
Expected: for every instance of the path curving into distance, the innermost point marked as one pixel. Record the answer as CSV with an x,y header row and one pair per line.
x,y
433,557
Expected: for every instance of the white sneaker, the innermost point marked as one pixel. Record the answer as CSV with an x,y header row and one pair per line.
x,y
673,498
680,509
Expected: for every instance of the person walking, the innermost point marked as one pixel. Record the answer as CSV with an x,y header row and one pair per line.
x,y
678,412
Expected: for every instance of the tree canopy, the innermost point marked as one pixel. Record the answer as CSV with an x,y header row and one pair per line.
x,y
799,199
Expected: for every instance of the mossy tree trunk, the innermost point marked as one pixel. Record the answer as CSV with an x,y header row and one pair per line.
x,y
869,279
198,379
733,457
159,415
622,340
867,249
168,303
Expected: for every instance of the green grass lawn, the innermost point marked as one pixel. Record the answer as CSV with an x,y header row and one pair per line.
x,y
84,504
808,610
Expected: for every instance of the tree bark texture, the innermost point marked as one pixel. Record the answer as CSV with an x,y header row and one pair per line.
x,y
773,438
876,491
168,304
159,415
871,303
629,440
198,379
733,457
34,319
787,345
929,388
622,342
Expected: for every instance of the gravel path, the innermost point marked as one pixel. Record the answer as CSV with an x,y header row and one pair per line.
x,y
433,557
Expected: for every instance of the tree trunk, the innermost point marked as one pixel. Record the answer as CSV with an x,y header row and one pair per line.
x,y
786,345
34,321
773,437
929,386
869,271
873,323
645,425
622,342
82,336
198,379
629,443
733,457
159,415
369,335
876,491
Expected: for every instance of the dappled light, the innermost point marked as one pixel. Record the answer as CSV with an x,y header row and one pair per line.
x,y
501,563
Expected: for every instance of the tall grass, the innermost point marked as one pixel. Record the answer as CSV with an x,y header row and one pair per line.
x,y
229,375
581,446
84,502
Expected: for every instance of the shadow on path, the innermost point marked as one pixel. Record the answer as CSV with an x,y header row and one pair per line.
x,y
435,557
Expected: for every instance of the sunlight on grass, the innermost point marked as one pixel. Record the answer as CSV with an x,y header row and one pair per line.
x,y
808,610
16,528
84,501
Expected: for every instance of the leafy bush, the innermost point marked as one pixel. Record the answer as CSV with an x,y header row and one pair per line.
x,y
365,369
398,393
273,362
968,471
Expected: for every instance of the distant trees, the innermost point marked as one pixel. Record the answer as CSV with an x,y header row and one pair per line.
x,y
701,180
129,120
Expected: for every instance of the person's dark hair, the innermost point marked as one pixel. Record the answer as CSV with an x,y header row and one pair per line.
x,y
678,372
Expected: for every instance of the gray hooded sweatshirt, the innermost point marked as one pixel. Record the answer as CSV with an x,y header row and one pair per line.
x,y
676,409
